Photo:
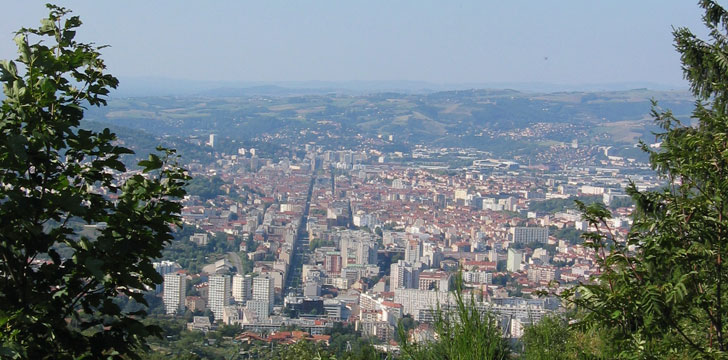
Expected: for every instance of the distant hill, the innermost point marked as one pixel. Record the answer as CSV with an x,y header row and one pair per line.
x,y
481,118
146,86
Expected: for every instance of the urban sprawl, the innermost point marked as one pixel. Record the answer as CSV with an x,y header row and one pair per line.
x,y
368,238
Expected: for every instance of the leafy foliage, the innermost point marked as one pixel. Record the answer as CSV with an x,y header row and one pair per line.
x,y
620,202
553,339
52,172
361,348
206,187
546,340
570,234
193,258
180,343
463,333
317,243
663,290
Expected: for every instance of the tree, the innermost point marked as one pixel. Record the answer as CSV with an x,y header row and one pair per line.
x,y
552,339
407,323
463,332
56,175
663,289
548,339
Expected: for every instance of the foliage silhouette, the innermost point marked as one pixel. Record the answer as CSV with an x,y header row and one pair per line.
x,y
663,288
53,173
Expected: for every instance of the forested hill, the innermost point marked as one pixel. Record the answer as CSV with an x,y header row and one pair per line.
x,y
474,118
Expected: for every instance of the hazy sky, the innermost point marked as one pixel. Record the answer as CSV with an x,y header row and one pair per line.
x,y
558,41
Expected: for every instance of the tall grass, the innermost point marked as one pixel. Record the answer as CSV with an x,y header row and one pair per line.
x,y
461,332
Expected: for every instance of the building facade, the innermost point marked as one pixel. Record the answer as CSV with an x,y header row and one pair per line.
x,y
175,291
219,294
264,291
242,289
529,234
514,259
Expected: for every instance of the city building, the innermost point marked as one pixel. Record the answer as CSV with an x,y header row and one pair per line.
x,y
164,267
527,235
514,259
543,273
434,280
242,287
201,239
403,275
175,291
261,309
415,300
264,292
332,263
357,247
219,294
413,251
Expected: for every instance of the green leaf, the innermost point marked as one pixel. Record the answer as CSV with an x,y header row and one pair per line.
x,y
48,86
94,266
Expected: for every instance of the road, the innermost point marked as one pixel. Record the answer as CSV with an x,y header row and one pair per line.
x,y
236,261
300,247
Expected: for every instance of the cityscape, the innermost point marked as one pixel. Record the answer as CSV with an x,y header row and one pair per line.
x,y
350,236
498,181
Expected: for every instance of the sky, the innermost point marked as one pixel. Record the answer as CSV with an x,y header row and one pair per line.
x,y
571,42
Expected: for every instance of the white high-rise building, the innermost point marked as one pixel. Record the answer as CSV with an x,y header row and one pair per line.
x,y
431,255
403,275
164,267
357,244
237,288
212,143
344,248
175,290
242,287
219,294
397,274
260,308
413,251
513,262
366,253
264,291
